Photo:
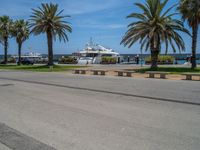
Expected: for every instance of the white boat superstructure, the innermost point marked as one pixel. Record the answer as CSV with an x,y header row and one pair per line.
x,y
31,56
93,53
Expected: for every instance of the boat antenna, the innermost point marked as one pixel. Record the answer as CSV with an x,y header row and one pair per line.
x,y
29,48
91,41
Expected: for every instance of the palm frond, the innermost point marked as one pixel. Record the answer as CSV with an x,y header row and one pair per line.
x,y
48,17
155,27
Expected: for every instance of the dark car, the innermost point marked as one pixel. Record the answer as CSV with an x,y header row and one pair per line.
x,y
27,62
2,63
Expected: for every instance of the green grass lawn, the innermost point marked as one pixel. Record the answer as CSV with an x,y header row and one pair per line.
x,y
172,70
38,68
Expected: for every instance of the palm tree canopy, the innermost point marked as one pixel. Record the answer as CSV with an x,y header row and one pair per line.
x,y
20,30
190,9
155,25
5,26
47,17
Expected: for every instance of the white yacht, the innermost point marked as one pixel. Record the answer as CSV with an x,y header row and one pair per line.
x,y
93,53
31,56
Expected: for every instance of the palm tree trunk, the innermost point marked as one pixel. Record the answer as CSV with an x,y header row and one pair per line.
x,y
194,46
154,59
50,47
154,54
6,50
19,53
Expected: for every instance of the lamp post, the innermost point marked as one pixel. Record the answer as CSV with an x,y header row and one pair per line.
x,y
141,61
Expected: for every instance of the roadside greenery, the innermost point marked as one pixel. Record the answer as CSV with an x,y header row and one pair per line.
x,y
67,60
166,59
11,60
39,68
108,60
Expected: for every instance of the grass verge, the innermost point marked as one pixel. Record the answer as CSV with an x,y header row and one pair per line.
x,y
38,68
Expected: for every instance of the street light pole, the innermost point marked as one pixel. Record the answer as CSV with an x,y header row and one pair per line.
x,y
141,59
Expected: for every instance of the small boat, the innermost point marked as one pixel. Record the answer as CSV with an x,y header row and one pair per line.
x,y
29,56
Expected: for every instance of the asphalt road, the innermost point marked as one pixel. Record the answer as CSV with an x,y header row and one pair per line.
x,y
3,147
62,111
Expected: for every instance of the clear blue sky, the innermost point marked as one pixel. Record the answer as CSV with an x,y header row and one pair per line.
x,y
103,20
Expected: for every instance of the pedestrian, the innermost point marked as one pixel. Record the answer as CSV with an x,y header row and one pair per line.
x,y
137,59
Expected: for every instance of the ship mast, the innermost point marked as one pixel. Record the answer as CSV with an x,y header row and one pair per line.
x,y
91,42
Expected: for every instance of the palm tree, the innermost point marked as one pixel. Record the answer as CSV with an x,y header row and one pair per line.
x,y
47,19
5,26
20,31
154,27
190,10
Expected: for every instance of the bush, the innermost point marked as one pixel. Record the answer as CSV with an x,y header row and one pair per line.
x,y
108,60
42,61
67,60
11,60
166,59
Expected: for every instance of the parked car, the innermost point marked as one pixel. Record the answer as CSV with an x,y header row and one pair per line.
x,y
2,63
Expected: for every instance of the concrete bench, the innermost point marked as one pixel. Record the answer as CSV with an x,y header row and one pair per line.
x,y
124,73
190,75
99,72
153,73
80,71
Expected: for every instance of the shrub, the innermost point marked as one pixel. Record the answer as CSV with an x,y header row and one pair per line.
x,y
42,61
11,60
166,59
108,60
67,60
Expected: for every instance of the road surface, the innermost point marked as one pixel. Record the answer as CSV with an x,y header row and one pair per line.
x,y
62,111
